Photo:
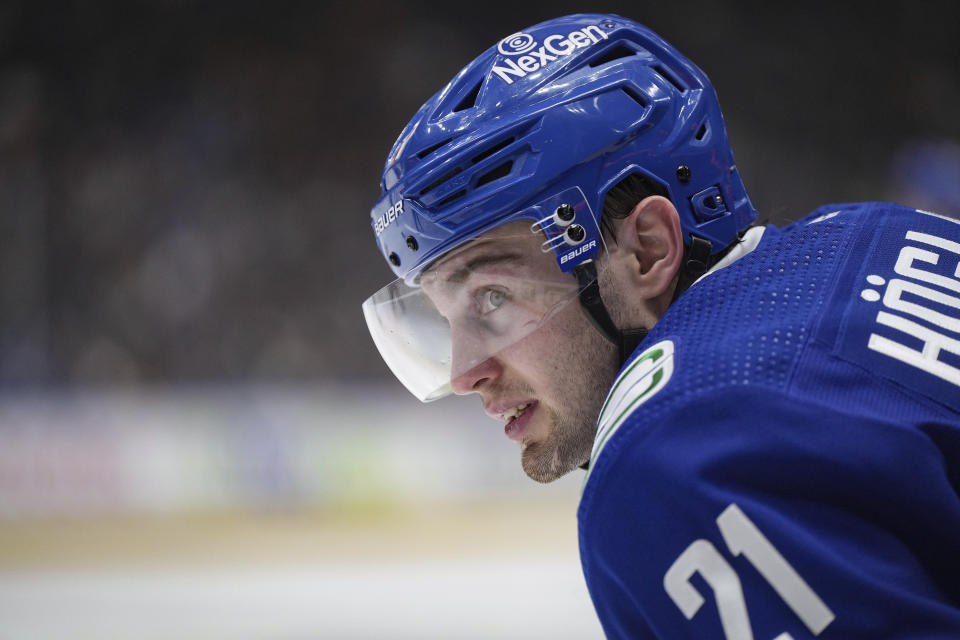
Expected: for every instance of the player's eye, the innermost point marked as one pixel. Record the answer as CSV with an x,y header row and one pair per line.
x,y
490,300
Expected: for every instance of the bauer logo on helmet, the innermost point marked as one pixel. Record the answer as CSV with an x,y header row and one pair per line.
x,y
578,251
383,221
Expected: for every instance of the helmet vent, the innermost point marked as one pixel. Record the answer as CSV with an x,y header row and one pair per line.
x,y
669,77
436,183
635,95
451,198
423,154
702,131
495,174
492,150
613,53
470,99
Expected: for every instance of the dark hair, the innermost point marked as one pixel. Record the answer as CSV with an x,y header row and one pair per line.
x,y
624,196
621,200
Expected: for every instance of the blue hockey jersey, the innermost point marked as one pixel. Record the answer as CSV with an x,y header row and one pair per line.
x,y
780,459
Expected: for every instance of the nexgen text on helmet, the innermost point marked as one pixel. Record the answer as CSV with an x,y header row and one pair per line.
x,y
556,44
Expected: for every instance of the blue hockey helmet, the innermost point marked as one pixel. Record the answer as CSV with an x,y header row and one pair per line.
x,y
583,100
539,128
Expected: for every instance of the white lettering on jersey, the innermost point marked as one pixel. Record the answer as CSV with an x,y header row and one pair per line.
x,y
924,295
742,538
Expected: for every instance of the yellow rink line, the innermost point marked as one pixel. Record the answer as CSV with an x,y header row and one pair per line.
x,y
355,534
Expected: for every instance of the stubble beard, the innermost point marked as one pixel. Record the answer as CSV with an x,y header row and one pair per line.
x,y
573,424
565,448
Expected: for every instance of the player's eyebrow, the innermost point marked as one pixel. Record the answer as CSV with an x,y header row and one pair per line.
x,y
463,272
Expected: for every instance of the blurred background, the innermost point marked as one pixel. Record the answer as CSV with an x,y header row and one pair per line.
x,y
197,437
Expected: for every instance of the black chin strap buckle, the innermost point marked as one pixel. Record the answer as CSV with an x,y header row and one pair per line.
x,y
697,260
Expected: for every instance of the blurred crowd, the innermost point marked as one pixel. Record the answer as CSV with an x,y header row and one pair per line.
x,y
185,187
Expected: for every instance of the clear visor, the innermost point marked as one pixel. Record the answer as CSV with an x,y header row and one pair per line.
x,y
469,306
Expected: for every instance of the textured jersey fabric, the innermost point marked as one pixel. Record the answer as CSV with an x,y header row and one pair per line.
x,y
781,457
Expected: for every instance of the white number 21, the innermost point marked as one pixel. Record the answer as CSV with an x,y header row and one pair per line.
x,y
742,537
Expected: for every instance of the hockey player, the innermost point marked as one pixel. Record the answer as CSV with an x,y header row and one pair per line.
x,y
768,417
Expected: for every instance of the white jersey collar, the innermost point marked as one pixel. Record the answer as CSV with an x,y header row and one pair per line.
x,y
747,244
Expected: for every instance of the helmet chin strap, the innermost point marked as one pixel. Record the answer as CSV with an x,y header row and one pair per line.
x,y
625,340
697,257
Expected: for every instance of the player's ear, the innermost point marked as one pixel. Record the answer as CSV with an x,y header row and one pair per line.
x,y
651,236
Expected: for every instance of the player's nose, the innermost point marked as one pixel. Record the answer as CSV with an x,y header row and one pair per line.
x,y
471,366
472,380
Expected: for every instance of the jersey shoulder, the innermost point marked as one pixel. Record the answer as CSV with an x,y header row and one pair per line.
x,y
756,391
861,510
855,308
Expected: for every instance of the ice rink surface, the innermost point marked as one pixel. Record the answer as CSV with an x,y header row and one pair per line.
x,y
485,573
540,597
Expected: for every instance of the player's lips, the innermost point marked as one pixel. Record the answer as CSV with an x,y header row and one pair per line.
x,y
515,413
